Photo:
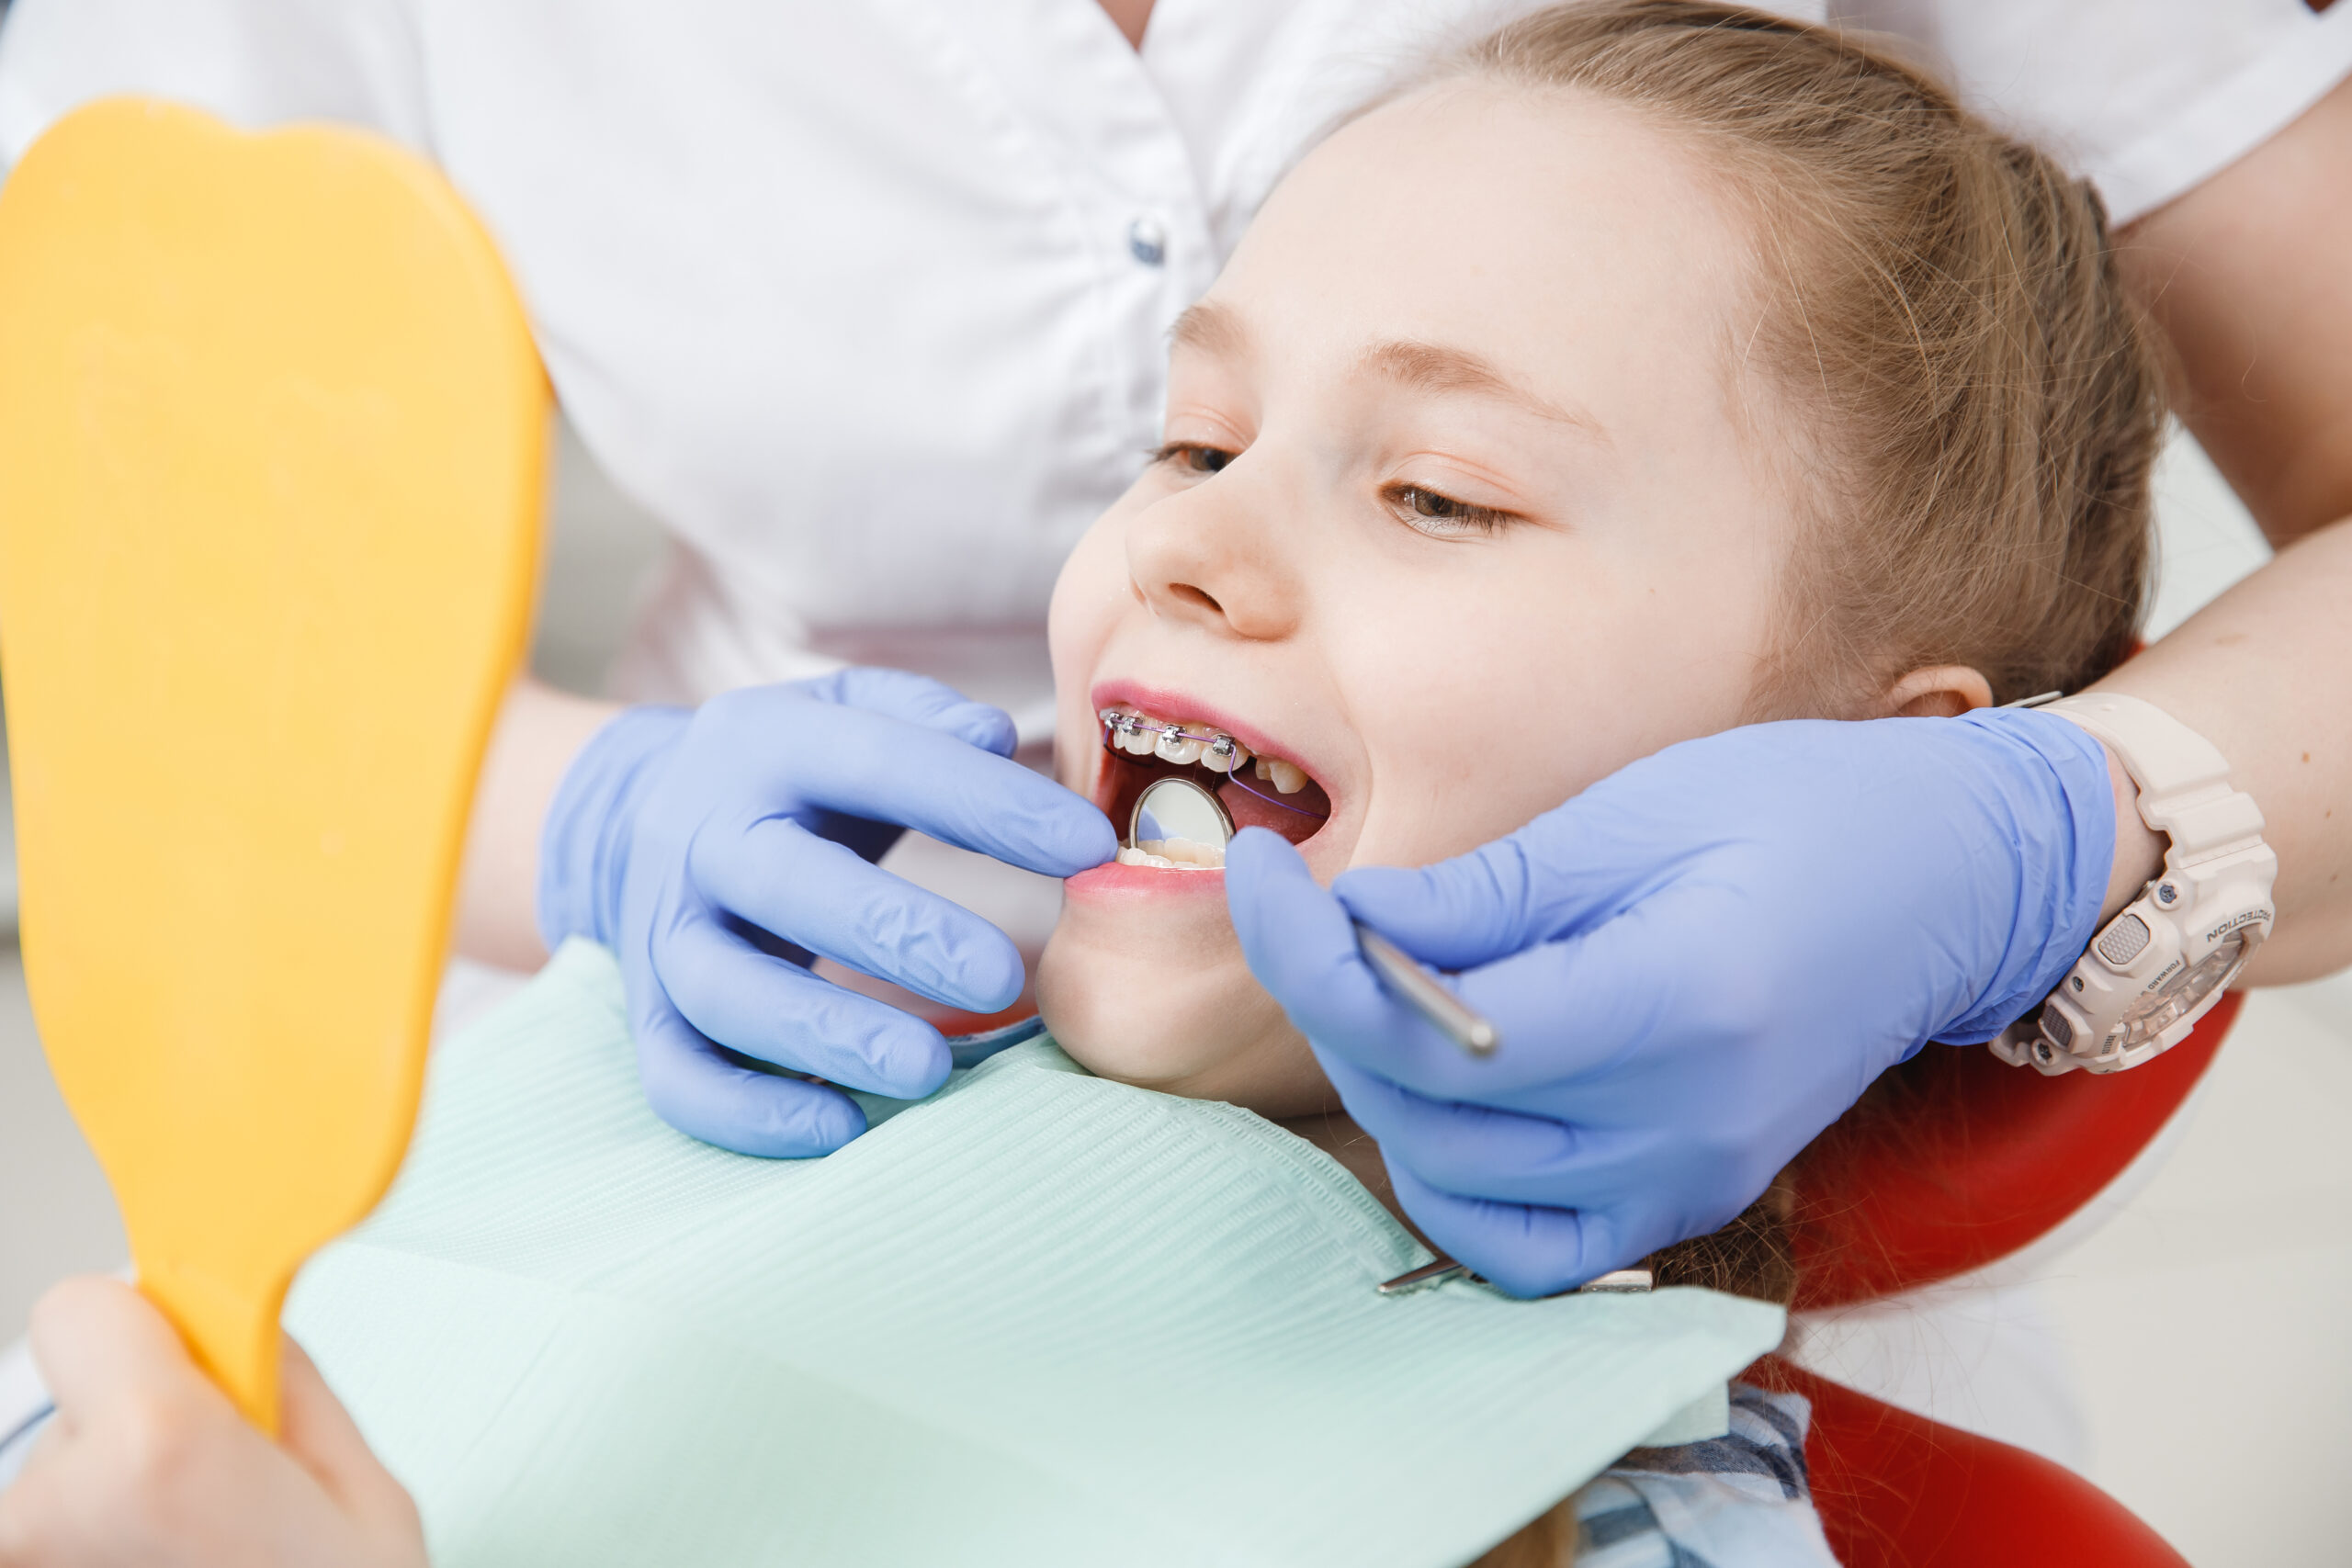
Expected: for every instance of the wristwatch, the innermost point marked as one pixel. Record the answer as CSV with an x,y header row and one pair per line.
x,y
2160,964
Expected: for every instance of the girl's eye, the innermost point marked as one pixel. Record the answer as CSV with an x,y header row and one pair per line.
x,y
1440,515
1192,457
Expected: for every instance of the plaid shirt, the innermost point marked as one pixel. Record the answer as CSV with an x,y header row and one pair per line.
x,y
1736,1501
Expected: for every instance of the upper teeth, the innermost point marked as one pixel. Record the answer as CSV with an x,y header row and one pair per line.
x,y
1288,777
1211,749
1175,746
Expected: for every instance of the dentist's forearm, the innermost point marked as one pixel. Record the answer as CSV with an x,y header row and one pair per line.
x,y
539,731
2245,273
2265,673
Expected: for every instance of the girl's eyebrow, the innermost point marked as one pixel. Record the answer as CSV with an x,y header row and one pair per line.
x,y
1433,368
1211,327
1216,330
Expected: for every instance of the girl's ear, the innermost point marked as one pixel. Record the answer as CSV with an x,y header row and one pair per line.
x,y
1940,691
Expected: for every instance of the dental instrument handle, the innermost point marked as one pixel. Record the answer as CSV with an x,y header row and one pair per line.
x,y
1446,1012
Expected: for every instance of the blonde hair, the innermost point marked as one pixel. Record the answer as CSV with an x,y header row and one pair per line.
x,y
1981,404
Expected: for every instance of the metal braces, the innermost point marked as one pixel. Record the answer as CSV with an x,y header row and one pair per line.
x,y
1215,742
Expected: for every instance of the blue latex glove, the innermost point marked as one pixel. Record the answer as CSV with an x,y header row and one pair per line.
x,y
715,850
1695,965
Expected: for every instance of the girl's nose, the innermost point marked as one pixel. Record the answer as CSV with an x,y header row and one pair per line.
x,y
1217,556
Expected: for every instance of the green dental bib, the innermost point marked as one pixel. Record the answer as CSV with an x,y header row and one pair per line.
x,y
1037,1319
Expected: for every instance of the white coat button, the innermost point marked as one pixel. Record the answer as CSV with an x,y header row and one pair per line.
x,y
1147,240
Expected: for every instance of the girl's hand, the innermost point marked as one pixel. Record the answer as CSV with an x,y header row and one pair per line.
x,y
148,1464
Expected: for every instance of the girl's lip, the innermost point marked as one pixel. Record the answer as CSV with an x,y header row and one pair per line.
x,y
1115,883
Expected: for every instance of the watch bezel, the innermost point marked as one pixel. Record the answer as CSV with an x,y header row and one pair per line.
x,y
2189,911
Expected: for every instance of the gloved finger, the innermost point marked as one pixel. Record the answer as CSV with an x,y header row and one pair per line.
x,y
1544,880
917,699
820,895
868,765
1619,998
1300,945
1470,1151
1522,1250
696,1090
1621,993
757,1004
1457,913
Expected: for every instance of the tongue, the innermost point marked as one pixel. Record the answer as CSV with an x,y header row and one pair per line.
x,y
1260,804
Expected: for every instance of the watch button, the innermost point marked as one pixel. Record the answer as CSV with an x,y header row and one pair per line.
x,y
2126,939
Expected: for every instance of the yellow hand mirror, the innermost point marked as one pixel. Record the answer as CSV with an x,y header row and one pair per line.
x,y
271,435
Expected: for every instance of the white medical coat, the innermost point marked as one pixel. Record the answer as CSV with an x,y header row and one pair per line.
x,y
865,300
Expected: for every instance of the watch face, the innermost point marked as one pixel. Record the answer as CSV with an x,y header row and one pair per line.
x,y
2176,998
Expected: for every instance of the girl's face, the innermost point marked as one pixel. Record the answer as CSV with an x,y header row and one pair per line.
x,y
1462,508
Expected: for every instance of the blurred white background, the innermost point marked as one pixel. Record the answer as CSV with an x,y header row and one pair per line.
x,y
2205,1325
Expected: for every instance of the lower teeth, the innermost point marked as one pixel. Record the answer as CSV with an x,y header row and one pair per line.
x,y
1174,854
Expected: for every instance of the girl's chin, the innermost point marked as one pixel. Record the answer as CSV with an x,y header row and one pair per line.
x,y
1165,1004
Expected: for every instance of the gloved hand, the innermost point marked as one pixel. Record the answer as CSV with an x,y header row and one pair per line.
x,y
714,850
1695,965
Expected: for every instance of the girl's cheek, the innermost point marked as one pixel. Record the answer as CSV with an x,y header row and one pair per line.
x,y
1085,602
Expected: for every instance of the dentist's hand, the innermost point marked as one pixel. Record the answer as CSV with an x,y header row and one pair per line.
x,y
714,850
147,1465
1695,965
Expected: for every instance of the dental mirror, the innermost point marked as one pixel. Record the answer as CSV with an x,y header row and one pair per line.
x,y
1179,809
1174,811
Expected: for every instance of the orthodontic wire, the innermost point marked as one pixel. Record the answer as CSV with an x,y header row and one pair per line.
x,y
1247,788
1110,726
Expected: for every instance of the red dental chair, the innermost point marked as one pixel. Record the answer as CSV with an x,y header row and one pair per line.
x,y
1974,1161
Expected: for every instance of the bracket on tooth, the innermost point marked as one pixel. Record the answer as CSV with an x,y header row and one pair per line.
x,y
1176,746
1133,733
1215,750
1128,732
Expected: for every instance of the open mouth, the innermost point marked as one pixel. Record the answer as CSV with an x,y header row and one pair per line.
x,y
1254,790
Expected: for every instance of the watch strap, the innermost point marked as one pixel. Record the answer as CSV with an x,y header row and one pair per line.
x,y
2183,779
2209,906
